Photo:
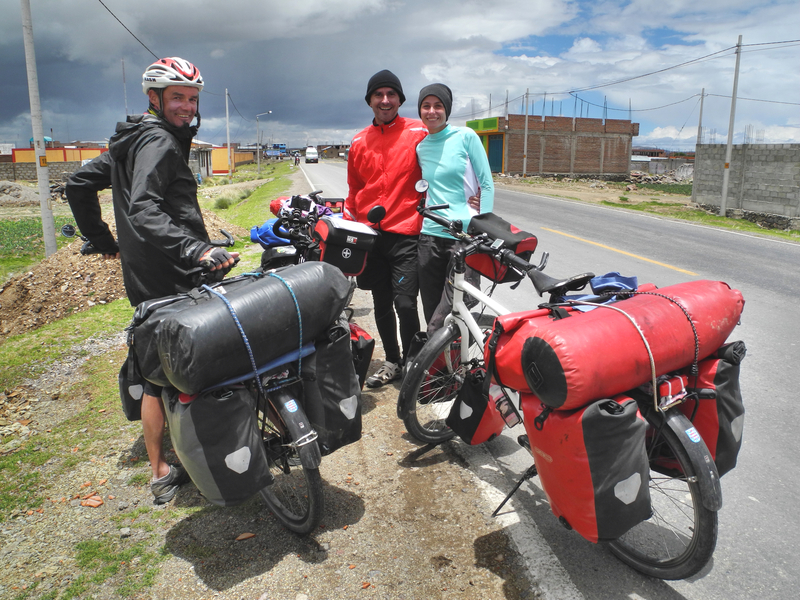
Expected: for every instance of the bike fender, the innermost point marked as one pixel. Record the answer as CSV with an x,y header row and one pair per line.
x,y
707,475
405,408
299,426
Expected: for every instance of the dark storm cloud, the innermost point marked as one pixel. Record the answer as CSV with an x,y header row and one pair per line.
x,y
309,62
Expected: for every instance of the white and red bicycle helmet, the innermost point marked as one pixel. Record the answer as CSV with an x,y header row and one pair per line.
x,y
171,71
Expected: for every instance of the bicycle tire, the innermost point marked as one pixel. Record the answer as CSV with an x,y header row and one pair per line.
x,y
432,383
678,540
295,496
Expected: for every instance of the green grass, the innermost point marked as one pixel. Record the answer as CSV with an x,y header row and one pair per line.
x,y
678,189
253,209
22,243
29,354
128,567
686,213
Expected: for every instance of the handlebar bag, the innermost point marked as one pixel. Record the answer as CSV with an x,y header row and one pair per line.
x,y
192,341
716,409
331,391
520,242
592,464
344,243
216,436
569,362
473,416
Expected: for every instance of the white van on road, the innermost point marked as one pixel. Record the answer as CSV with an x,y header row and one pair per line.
x,y
312,156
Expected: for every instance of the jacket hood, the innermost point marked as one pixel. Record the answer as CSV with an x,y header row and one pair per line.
x,y
135,125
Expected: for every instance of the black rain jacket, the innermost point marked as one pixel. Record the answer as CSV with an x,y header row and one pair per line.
x,y
159,224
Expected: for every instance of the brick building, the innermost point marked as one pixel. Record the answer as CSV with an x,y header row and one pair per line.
x,y
557,145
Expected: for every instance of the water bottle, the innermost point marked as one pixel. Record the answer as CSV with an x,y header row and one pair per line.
x,y
504,405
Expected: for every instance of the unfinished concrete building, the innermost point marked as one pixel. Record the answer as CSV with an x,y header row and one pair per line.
x,y
578,147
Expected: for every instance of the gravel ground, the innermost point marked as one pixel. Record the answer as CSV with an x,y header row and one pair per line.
x,y
402,520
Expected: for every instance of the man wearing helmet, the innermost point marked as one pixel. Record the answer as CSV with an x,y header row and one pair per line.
x,y
162,238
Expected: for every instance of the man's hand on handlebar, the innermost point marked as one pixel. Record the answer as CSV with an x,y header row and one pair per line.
x,y
215,259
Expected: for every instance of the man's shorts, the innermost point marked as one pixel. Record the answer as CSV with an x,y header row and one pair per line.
x,y
151,389
392,262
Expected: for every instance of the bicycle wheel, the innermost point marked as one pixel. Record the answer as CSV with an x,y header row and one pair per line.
x,y
679,538
432,383
295,496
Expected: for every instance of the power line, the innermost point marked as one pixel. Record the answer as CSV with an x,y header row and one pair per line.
x,y
683,64
128,30
236,109
756,100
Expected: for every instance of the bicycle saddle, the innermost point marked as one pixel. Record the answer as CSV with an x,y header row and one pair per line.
x,y
545,284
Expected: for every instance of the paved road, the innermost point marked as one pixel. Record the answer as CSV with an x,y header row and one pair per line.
x,y
757,553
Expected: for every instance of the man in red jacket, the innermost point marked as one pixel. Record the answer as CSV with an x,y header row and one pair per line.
x,y
382,169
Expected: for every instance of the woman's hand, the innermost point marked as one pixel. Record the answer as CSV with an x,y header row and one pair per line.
x,y
474,202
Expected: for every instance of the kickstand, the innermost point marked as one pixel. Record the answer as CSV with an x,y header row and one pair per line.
x,y
531,472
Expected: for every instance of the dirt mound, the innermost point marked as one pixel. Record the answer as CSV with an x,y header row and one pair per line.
x,y
69,282
14,194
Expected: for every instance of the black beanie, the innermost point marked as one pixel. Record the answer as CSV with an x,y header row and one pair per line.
x,y
442,92
384,79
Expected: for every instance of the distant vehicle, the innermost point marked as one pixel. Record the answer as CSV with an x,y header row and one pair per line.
x,y
312,156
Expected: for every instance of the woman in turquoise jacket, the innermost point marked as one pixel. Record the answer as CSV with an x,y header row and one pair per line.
x,y
455,164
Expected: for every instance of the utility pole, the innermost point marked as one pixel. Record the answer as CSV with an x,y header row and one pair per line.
x,y
723,205
42,171
258,140
228,137
700,120
699,136
124,87
525,141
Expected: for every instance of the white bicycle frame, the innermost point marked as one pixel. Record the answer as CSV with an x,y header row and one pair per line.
x,y
461,315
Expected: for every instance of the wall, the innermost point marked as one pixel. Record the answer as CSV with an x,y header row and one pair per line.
x,y
563,145
219,159
764,179
27,170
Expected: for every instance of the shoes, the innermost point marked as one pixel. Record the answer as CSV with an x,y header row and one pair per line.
x,y
387,373
164,489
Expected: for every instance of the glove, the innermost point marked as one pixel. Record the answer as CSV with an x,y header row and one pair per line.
x,y
213,258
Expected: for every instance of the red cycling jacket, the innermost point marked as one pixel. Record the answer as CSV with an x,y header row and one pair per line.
x,y
382,169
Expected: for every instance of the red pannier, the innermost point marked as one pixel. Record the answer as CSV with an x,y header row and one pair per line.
x,y
520,242
592,464
344,244
474,416
717,412
362,346
569,358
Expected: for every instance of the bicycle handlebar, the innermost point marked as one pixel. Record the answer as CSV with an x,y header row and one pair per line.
x,y
542,283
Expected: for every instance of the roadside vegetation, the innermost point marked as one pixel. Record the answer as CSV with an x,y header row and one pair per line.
x,y
32,467
22,244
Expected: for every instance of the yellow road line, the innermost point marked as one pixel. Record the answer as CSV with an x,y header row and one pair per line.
x,y
655,262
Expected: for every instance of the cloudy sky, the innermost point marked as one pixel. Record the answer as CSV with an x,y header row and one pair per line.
x,y
308,62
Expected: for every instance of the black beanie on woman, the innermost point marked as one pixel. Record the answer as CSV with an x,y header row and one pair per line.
x,y
384,78
442,92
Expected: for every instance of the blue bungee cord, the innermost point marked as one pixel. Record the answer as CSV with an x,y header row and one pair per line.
x,y
244,335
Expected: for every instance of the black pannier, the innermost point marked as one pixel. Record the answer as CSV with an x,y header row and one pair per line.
x,y
192,342
331,390
344,243
217,439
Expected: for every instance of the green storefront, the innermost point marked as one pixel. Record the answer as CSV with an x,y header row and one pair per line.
x,y
492,138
